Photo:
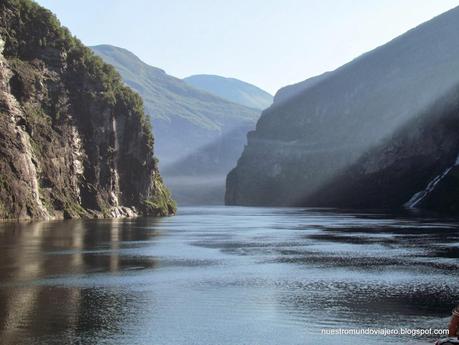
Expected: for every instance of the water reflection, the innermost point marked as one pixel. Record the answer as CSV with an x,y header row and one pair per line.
x,y
226,276
31,252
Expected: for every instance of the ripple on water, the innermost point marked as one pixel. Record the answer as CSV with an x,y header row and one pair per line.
x,y
225,275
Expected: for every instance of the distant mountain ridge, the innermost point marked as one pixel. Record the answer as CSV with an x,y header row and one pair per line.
x,y
232,89
186,121
372,133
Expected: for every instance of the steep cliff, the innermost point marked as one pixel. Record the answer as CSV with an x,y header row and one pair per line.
x,y
415,167
372,133
75,141
184,118
199,136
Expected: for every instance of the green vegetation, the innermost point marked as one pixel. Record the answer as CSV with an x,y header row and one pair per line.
x,y
61,88
35,28
176,107
196,132
36,116
4,188
160,204
3,182
73,210
169,98
36,31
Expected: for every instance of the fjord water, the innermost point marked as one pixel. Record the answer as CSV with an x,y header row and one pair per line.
x,y
227,275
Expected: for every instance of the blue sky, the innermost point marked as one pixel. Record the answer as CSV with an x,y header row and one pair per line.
x,y
270,43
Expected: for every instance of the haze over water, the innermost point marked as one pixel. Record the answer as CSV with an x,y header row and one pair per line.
x,y
226,275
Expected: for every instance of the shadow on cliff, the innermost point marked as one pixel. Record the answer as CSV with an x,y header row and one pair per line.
x,y
389,173
200,177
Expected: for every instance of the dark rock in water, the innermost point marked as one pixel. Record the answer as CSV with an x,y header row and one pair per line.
x,y
372,133
74,140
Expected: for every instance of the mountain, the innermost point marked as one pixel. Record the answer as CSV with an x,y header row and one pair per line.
x,y
287,92
192,128
200,177
380,131
75,141
231,89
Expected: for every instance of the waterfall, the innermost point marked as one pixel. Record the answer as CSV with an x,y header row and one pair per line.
x,y
419,196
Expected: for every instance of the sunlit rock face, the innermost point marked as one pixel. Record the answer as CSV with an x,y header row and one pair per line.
x,y
74,141
369,134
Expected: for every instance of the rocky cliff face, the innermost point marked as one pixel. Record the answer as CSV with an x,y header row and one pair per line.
x,y
416,167
372,133
74,140
199,136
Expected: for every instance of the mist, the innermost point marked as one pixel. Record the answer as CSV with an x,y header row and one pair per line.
x,y
304,141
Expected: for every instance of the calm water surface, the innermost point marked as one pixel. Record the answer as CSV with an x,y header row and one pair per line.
x,y
229,276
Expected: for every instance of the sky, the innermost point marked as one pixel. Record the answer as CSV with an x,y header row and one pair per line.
x,y
269,43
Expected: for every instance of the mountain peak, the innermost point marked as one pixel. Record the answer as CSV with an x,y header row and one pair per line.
x,y
121,56
232,89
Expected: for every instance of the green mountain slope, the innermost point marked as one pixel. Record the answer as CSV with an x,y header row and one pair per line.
x,y
185,121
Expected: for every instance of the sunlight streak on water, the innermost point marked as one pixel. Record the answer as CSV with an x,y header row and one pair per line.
x,y
226,275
